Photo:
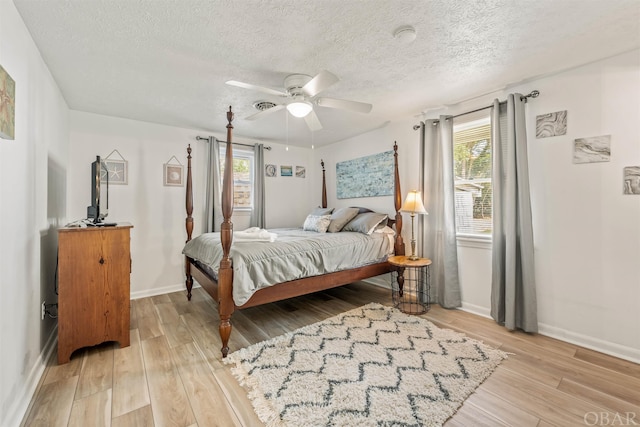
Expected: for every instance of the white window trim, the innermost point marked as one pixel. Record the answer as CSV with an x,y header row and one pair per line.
x,y
474,241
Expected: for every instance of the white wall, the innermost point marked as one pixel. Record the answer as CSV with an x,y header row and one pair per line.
x,y
587,233
158,212
33,190
369,143
290,199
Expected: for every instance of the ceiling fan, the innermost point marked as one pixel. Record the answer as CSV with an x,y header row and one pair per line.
x,y
300,91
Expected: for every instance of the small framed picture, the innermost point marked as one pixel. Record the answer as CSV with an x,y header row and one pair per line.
x,y
270,170
593,149
301,171
551,124
118,171
286,170
7,105
631,180
173,175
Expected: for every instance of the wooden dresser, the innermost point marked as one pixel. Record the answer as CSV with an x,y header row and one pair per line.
x,y
94,265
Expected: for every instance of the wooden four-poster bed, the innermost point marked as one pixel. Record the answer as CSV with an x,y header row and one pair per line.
x,y
221,288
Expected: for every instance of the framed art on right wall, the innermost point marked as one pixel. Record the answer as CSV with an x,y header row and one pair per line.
x,y
631,180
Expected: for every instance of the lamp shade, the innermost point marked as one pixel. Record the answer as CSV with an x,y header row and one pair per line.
x,y
413,203
299,108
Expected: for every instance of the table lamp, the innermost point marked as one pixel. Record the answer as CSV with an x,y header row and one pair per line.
x,y
413,205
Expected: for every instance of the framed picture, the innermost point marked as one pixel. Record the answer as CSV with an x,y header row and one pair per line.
x,y
551,124
593,149
286,170
369,176
7,105
270,170
301,171
118,171
173,175
631,180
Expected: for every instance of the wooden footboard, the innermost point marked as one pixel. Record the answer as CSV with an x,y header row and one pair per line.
x,y
222,289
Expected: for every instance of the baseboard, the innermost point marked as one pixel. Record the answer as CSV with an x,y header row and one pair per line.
x,y
606,347
476,309
160,291
22,402
381,281
623,352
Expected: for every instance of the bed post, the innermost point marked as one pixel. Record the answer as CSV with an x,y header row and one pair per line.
x,y
324,186
225,273
189,223
399,244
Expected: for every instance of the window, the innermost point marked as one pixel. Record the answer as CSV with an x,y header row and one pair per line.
x,y
242,178
472,177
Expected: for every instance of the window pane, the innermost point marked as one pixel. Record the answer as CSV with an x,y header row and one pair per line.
x,y
472,170
242,183
242,178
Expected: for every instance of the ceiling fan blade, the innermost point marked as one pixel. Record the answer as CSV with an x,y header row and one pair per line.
x,y
320,82
254,87
343,104
264,113
312,121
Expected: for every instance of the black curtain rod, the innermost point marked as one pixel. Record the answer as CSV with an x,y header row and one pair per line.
x,y
202,138
533,94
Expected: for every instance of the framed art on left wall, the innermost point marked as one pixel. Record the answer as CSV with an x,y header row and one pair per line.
x,y
173,175
117,168
118,171
7,105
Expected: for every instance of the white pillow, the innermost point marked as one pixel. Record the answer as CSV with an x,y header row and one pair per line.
x,y
385,230
318,223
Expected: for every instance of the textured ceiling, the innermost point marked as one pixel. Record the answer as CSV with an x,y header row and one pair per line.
x,y
166,61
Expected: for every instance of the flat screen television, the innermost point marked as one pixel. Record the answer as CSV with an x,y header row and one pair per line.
x,y
99,208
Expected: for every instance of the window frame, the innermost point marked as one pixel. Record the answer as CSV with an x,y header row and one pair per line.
x,y
249,155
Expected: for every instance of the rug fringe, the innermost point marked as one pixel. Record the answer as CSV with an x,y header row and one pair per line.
x,y
261,406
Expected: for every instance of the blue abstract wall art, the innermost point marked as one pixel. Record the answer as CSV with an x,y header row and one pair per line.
x,y
369,176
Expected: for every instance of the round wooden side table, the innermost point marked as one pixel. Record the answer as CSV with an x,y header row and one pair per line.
x,y
410,284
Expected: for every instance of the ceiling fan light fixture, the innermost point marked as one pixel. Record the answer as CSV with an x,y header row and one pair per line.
x,y
299,108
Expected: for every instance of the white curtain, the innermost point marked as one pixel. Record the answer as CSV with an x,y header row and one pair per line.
x,y
258,212
439,227
513,287
213,190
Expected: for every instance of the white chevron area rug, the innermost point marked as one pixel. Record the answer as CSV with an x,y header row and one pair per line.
x,y
371,366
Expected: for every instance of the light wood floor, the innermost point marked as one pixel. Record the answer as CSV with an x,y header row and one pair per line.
x,y
172,374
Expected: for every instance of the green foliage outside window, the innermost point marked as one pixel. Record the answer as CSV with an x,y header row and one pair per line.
x,y
472,170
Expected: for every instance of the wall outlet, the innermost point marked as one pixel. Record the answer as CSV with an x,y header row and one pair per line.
x,y
43,311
